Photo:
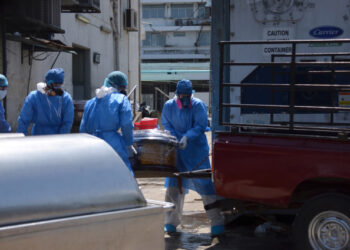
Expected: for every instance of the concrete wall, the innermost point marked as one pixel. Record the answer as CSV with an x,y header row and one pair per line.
x,y
24,76
1,50
129,47
89,36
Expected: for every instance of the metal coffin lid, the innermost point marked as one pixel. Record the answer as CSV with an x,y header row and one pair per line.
x,y
154,135
45,177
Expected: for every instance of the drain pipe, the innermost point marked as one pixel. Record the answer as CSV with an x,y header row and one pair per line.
x,y
115,27
4,60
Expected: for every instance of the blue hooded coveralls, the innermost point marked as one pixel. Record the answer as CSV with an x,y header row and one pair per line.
x,y
106,113
4,126
50,114
103,117
191,122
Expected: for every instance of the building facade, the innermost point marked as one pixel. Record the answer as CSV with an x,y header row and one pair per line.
x,y
92,42
175,45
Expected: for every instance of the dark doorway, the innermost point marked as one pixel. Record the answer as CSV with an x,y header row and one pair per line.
x,y
81,74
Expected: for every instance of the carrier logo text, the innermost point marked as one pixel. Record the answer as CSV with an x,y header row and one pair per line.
x,y
326,32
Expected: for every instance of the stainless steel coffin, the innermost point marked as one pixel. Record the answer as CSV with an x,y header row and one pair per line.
x,y
46,177
130,229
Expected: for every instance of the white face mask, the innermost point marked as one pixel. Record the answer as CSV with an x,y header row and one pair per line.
x,y
3,93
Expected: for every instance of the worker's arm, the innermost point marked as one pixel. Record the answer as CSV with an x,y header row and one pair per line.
x,y
200,121
126,125
165,119
26,115
83,128
67,114
4,126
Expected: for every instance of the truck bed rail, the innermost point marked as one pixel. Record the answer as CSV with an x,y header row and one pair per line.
x,y
299,63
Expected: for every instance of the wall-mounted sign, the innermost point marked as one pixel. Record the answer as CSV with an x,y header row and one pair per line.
x,y
326,32
96,57
277,33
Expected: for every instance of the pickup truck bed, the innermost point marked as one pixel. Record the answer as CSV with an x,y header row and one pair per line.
x,y
274,169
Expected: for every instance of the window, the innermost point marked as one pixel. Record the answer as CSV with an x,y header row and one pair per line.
x,y
204,39
154,40
201,11
181,10
153,11
179,34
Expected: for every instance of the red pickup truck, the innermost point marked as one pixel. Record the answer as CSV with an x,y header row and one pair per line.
x,y
278,159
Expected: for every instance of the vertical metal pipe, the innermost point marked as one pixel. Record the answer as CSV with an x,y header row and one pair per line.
x,y
272,89
332,91
155,99
139,49
3,42
292,88
134,102
221,77
116,31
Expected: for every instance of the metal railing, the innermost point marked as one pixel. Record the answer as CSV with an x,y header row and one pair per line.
x,y
292,87
133,92
156,91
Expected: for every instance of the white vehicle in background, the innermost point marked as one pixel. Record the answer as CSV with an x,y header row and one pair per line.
x,y
273,20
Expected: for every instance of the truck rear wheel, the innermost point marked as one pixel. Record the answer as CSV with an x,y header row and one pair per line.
x,y
324,223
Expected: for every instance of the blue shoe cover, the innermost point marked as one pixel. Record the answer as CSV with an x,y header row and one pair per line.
x,y
217,230
168,228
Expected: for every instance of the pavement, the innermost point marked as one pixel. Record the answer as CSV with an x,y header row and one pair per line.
x,y
194,231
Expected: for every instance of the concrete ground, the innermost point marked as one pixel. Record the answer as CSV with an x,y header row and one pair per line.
x,y
194,231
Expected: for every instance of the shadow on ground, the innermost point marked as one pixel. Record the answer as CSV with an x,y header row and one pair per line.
x,y
238,236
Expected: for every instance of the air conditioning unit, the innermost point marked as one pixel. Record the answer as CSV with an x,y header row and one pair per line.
x,y
130,20
46,12
178,22
69,2
90,3
81,6
40,18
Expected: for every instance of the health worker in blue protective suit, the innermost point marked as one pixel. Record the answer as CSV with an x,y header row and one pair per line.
x,y
4,126
108,112
49,108
186,118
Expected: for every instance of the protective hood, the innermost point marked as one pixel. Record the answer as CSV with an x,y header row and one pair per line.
x,y
55,76
116,79
3,81
184,87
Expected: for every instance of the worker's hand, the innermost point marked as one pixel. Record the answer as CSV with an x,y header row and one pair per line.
x,y
132,151
183,143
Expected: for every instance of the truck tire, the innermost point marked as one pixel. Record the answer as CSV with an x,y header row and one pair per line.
x,y
324,223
